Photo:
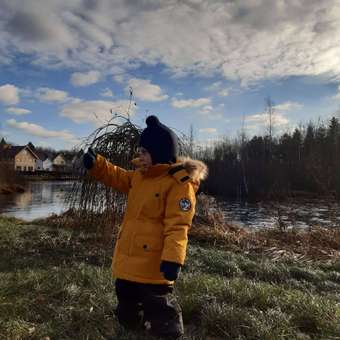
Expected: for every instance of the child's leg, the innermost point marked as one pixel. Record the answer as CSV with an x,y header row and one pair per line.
x,y
162,311
129,304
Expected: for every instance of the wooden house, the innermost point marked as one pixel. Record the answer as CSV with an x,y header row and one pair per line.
x,y
59,163
19,158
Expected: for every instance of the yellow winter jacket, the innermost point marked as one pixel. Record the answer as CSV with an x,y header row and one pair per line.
x,y
160,207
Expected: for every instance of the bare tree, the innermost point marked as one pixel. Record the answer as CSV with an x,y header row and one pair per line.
x,y
191,141
271,112
243,156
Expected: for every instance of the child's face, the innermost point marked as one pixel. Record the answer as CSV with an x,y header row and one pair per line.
x,y
145,157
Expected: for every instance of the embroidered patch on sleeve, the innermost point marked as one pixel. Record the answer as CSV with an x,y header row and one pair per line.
x,y
185,204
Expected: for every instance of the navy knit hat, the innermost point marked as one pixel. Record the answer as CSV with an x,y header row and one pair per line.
x,y
159,141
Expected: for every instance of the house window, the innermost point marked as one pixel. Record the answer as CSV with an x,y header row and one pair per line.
x,y
30,168
18,168
24,168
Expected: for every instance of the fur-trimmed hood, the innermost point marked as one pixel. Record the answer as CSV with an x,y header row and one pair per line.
x,y
196,169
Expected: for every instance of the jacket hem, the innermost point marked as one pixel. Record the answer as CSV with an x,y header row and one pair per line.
x,y
139,279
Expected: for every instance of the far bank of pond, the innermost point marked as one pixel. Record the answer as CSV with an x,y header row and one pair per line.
x,y
43,198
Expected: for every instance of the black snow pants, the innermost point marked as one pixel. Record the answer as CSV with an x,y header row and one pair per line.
x,y
152,306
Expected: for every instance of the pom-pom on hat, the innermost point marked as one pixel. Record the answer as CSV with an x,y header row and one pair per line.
x,y
159,141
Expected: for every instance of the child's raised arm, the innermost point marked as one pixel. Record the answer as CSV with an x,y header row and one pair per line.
x,y
104,171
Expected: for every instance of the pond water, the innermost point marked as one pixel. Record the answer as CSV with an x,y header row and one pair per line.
x,y
298,213
41,199
44,198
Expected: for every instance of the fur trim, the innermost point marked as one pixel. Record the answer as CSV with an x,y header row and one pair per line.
x,y
196,169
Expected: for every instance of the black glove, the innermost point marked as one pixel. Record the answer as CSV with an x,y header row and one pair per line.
x,y
89,158
170,270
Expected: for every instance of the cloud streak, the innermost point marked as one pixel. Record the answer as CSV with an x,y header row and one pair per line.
x,y
18,111
208,130
39,131
189,103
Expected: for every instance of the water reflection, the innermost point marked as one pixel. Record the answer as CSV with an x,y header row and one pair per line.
x,y
46,197
41,199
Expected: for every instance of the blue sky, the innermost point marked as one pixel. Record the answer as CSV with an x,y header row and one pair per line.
x,y
210,64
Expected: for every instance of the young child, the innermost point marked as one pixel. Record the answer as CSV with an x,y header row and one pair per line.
x,y
152,241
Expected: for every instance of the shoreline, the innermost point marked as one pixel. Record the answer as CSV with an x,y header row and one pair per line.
x,y
316,244
8,189
300,197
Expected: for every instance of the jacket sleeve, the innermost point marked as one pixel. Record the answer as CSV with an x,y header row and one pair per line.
x,y
179,212
111,175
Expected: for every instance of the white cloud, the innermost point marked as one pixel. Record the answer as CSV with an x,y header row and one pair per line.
x,y
280,120
143,89
18,111
84,79
288,106
223,93
206,110
261,120
217,87
186,103
46,94
245,40
211,113
39,131
97,112
214,86
9,94
208,130
106,93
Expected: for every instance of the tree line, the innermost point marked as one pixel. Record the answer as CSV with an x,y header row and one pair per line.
x,y
306,160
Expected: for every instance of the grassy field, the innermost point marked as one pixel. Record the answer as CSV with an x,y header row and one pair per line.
x,y
56,284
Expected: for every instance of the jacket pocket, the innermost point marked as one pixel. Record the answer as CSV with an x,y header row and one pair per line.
x,y
144,245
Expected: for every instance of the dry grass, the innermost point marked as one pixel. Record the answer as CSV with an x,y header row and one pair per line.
x,y
210,229
317,243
